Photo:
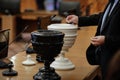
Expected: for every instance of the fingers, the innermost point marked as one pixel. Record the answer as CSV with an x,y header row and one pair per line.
x,y
95,43
69,19
97,40
72,19
94,39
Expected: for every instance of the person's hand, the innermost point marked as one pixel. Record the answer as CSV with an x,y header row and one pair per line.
x,y
98,40
72,19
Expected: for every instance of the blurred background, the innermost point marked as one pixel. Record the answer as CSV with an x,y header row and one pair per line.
x,y
17,14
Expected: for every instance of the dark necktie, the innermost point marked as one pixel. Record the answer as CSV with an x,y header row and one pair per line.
x,y
111,2
111,5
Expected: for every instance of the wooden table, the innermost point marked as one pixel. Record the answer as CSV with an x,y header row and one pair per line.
x,y
82,71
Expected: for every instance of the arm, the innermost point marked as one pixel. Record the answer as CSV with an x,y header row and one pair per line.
x,y
84,20
89,20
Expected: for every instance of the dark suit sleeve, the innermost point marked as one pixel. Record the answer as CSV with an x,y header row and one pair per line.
x,y
89,20
112,41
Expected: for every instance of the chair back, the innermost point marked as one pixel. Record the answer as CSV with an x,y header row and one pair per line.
x,y
4,42
70,7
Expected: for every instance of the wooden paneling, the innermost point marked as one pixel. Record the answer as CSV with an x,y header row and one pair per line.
x,y
97,5
28,5
8,22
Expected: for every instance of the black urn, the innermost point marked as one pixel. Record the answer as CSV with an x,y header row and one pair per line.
x,y
47,44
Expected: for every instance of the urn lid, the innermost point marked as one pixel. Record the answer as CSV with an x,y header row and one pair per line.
x,y
62,26
46,33
47,36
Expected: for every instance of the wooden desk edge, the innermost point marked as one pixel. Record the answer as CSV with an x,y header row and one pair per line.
x,y
93,74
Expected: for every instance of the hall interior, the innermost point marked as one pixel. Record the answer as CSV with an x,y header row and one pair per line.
x,y
31,12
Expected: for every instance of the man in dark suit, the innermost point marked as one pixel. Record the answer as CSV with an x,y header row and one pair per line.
x,y
107,38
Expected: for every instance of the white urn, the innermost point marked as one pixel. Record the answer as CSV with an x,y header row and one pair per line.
x,y
70,31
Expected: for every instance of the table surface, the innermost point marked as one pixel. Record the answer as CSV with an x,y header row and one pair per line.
x,y
76,54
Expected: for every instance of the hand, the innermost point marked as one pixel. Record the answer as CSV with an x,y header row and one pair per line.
x,y
98,40
72,19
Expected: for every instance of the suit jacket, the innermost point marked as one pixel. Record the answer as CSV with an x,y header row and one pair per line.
x,y
102,54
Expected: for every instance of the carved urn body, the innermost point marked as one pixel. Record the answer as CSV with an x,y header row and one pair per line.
x,y
47,44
